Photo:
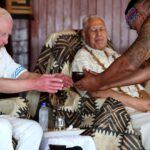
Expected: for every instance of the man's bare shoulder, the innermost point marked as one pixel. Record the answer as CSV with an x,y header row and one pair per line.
x,y
145,29
144,36
139,51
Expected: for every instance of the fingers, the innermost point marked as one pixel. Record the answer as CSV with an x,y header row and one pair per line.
x,y
67,81
86,72
94,73
79,85
53,78
53,82
90,73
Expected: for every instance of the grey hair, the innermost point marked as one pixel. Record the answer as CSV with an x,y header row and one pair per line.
x,y
4,14
87,18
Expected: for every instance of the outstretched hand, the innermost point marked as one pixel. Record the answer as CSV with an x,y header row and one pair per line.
x,y
90,82
67,81
51,83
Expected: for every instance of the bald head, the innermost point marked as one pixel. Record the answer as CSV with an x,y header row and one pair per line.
x,y
6,24
5,15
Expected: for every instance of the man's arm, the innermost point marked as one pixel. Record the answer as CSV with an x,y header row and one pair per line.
x,y
136,103
32,81
118,72
126,66
123,67
138,76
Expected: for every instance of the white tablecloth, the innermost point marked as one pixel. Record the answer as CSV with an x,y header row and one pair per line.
x,y
86,142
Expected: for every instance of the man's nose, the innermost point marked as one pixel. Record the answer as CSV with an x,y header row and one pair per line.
x,y
98,32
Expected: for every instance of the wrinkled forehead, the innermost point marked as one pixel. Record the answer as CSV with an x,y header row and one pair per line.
x,y
95,22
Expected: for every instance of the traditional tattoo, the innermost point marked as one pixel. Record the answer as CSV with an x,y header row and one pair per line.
x,y
132,14
139,51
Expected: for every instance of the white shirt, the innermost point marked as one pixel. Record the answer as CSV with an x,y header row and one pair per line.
x,y
8,67
84,60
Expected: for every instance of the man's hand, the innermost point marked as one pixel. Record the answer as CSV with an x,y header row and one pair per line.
x,y
90,82
51,83
141,105
67,81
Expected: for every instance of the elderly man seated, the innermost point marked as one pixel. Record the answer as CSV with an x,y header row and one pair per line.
x,y
14,78
96,57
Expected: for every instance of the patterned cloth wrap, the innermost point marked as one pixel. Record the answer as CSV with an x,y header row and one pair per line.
x,y
16,107
106,121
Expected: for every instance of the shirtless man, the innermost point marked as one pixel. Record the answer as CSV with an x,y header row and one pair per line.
x,y
125,70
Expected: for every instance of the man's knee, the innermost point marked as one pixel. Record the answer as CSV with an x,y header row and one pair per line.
x,y
5,135
5,125
35,128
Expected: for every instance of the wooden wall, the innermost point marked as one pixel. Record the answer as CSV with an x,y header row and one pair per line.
x,y
56,15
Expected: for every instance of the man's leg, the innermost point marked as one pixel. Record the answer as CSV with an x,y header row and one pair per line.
x,y
5,135
141,122
27,132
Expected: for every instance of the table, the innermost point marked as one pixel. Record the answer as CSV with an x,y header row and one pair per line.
x,y
68,139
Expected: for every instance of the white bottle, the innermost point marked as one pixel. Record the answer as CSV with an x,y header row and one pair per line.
x,y
43,116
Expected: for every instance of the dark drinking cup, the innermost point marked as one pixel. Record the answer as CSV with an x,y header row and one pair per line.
x,y
76,76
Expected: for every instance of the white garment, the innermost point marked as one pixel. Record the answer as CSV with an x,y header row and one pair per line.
x,y
83,59
5,135
86,142
28,133
8,67
141,123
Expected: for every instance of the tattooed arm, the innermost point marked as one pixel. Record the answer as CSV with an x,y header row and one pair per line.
x,y
138,76
123,67
125,70
138,52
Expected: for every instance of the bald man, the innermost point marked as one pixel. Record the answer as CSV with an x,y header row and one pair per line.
x,y
15,78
